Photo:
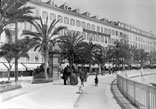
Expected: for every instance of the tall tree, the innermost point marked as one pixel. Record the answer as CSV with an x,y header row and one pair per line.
x,y
140,56
12,12
72,46
152,58
100,57
92,51
10,51
44,37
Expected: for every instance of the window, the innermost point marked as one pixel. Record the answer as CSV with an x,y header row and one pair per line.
x,y
52,16
66,31
88,26
109,31
61,32
78,23
37,13
97,38
106,30
88,36
59,17
66,20
93,37
44,14
28,26
116,33
72,22
101,29
83,24
93,27
121,34
84,35
106,39
98,28
102,39
113,32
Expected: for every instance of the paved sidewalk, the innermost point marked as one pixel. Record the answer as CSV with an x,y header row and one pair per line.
x,y
98,97
52,95
55,95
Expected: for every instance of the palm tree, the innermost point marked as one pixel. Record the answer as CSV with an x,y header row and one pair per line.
x,y
101,58
72,47
44,37
12,11
92,51
152,58
116,54
140,56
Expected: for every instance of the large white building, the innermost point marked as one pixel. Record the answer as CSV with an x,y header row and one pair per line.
x,y
100,30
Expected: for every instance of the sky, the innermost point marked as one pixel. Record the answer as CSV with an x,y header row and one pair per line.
x,y
139,13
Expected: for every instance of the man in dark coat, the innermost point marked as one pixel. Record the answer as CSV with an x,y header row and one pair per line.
x,y
66,74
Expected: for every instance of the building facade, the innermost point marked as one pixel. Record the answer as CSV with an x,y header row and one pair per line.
x,y
100,30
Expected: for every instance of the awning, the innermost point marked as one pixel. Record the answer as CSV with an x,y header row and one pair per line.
x,y
3,68
20,67
31,66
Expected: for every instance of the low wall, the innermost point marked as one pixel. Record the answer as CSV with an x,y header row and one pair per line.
x,y
9,86
140,94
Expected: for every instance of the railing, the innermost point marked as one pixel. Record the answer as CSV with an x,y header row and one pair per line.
x,y
141,95
9,86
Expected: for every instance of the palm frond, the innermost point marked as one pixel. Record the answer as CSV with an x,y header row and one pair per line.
x,y
58,29
52,25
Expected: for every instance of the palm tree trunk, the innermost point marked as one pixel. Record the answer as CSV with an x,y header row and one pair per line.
x,y
99,68
16,59
51,66
46,63
90,68
8,75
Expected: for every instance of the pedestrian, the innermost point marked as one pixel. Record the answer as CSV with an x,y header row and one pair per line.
x,y
82,76
109,69
66,75
80,89
96,80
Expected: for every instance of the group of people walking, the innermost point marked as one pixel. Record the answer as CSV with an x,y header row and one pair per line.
x,y
70,75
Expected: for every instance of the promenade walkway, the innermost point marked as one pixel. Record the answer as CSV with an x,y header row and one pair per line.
x,y
58,96
98,97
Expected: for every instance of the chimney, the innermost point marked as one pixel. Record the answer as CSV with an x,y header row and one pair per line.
x,y
52,2
65,6
69,8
